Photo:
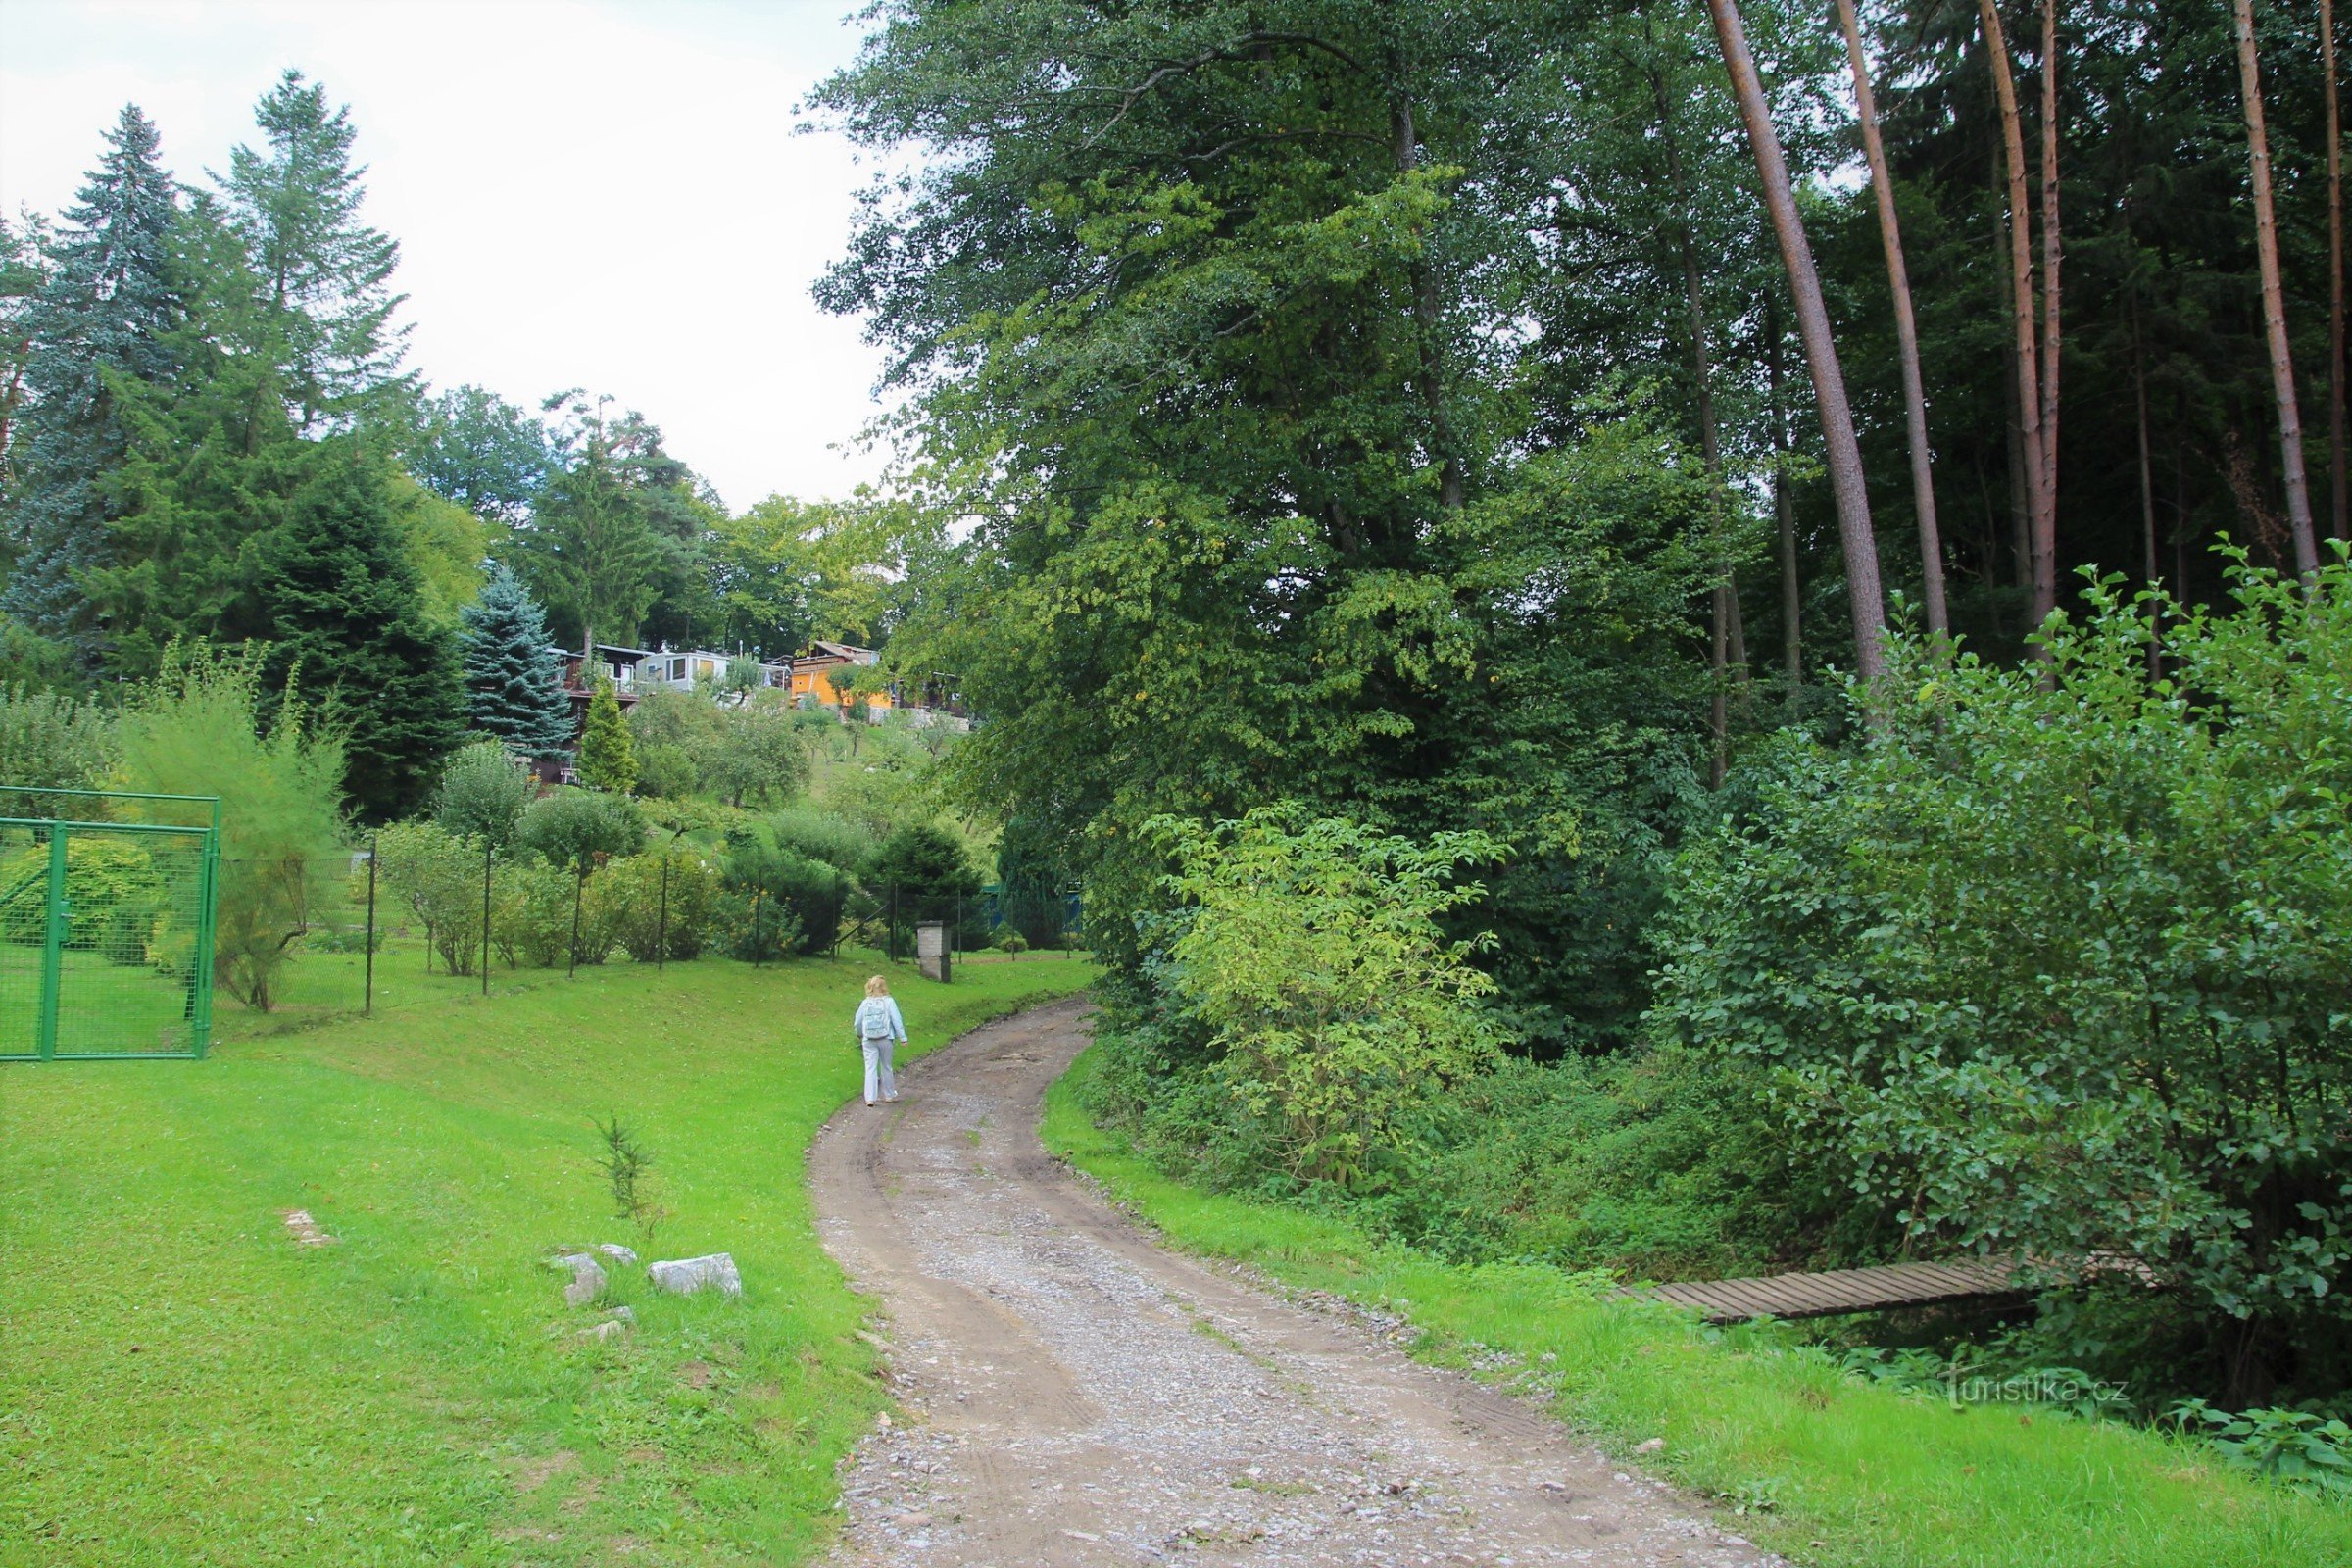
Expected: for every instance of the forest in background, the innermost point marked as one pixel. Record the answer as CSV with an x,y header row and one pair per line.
x,y
250,554
1414,564
208,433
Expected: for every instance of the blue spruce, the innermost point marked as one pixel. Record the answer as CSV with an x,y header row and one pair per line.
x,y
514,686
105,314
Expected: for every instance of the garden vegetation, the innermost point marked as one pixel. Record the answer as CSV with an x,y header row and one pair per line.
x,y
1408,493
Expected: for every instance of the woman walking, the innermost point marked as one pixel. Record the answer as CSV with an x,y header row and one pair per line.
x,y
879,1029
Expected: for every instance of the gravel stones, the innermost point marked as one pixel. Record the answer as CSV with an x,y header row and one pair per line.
x,y
1078,1396
684,1275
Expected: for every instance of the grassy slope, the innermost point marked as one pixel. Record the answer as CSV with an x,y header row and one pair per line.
x,y
1847,1473
180,1384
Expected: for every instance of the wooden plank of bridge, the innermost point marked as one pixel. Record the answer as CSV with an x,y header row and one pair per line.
x,y
1844,1290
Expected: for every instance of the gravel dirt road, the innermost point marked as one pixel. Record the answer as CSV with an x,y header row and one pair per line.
x,y
1078,1396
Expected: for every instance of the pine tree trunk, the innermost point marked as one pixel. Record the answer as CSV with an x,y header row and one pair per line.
x,y
2337,500
1866,601
1906,331
2021,287
2021,483
2012,429
2274,297
2045,521
1792,588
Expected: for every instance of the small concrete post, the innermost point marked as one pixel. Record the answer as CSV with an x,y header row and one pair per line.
x,y
931,949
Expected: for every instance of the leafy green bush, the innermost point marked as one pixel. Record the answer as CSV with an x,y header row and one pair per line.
x,y
577,828
666,771
1308,949
778,899
439,877
755,927
203,727
837,841
645,920
484,791
2297,1447
114,887
530,914
602,909
673,731
925,860
51,741
1665,1163
2065,970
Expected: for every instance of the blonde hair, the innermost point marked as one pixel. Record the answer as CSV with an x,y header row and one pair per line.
x,y
877,987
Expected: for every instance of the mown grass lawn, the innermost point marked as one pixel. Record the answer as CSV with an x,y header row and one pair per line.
x,y
182,1383
1825,1469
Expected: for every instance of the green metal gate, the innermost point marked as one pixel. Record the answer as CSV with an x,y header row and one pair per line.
x,y
107,912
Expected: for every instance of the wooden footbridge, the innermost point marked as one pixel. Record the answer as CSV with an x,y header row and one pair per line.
x,y
1844,1290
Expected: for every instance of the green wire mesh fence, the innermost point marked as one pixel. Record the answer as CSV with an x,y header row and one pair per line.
x,y
107,924
120,920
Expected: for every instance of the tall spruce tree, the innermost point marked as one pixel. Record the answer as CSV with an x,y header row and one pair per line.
x,y
103,317
341,606
325,276
512,689
24,272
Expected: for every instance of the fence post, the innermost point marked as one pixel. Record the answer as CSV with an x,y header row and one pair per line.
x,y
53,943
486,852
208,937
757,895
662,926
579,883
367,985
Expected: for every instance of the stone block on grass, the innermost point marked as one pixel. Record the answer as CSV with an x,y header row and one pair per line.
x,y
686,1275
587,1283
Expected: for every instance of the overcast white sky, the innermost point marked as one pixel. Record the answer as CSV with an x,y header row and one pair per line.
x,y
594,193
